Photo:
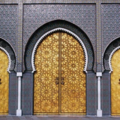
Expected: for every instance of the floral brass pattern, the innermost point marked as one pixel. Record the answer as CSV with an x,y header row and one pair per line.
x,y
73,92
115,86
4,80
59,80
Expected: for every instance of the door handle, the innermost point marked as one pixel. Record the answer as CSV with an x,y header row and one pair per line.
x,y
0,81
57,80
119,81
62,81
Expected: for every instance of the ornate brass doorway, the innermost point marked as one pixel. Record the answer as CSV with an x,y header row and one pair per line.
x,y
59,80
115,84
4,83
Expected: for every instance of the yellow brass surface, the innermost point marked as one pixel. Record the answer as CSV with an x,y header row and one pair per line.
x,y
46,64
73,92
115,86
59,56
4,86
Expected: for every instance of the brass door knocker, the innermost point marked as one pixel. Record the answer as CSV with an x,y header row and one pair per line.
x,y
0,81
57,80
62,81
119,81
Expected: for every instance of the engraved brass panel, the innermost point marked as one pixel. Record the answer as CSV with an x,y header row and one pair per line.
x,y
59,81
73,92
46,64
4,86
115,86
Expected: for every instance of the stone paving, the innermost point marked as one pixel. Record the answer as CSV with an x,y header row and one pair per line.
x,y
56,118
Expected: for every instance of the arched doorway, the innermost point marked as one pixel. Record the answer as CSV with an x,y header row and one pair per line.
x,y
4,83
115,83
59,80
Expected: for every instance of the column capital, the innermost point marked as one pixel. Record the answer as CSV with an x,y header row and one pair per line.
x,y
19,74
98,74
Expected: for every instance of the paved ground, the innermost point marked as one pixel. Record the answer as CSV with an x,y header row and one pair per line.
x,y
56,118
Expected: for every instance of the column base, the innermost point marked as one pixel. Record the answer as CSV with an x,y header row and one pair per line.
x,y
19,112
99,113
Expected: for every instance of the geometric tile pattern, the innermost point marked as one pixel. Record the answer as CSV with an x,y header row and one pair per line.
x,y
110,23
91,93
27,93
9,23
13,93
82,15
105,92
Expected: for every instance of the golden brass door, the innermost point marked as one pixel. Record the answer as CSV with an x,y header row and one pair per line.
x,y
115,84
4,83
59,81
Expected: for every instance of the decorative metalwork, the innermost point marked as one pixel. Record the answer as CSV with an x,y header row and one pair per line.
x,y
4,80
46,64
59,80
115,87
73,92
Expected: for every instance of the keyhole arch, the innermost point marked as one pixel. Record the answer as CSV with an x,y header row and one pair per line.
x,y
55,30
